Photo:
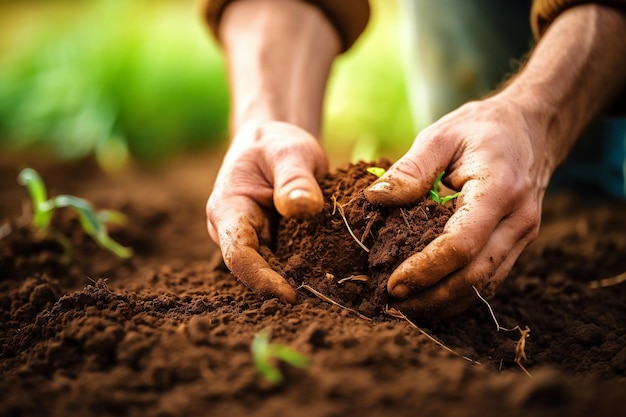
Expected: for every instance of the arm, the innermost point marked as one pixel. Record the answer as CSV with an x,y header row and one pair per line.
x,y
279,53
500,152
575,72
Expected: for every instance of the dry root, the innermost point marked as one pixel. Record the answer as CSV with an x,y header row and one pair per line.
x,y
608,282
333,302
399,315
520,347
360,278
337,206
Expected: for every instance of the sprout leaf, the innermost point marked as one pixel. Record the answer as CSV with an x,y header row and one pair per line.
x,y
266,354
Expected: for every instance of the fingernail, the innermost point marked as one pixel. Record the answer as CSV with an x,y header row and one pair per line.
x,y
299,194
400,291
380,186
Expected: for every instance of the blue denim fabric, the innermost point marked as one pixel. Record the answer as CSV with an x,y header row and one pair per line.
x,y
460,50
597,163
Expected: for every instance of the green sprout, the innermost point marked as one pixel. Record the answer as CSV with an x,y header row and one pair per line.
x,y
266,355
378,171
434,192
93,223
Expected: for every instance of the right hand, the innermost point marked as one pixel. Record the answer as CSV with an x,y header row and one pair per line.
x,y
268,167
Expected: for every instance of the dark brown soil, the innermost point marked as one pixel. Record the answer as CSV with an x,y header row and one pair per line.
x,y
168,332
372,241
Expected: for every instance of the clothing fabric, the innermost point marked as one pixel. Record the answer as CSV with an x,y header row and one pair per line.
x,y
544,12
349,17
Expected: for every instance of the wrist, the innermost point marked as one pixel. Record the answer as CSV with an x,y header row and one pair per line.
x,y
573,74
279,55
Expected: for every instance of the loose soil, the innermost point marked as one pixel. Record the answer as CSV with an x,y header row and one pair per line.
x,y
168,332
306,249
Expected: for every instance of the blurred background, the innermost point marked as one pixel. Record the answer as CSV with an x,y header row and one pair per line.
x,y
143,81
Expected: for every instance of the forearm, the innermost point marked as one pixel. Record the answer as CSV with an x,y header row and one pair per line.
x,y
575,71
279,55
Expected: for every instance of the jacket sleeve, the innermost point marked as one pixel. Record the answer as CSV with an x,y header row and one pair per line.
x,y
349,17
545,11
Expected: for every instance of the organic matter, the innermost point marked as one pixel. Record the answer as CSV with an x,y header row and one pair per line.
x,y
168,331
373,240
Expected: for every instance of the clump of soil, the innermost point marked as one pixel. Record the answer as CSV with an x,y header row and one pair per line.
x,y
349,250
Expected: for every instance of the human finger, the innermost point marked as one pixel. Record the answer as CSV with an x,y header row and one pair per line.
x,y
237,226
464,236
296,190
411,177
457,291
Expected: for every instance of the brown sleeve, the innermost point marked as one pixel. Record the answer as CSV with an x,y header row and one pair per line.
x,y
349,17
545,11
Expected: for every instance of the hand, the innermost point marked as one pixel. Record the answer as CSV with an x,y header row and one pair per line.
x,y
500,152
269,165
495,154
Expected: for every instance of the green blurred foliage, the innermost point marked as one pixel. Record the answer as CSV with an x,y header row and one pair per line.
x,y
104,75
144,79
367,107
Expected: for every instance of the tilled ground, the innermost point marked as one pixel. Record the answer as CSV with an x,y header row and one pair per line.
x,y
168,332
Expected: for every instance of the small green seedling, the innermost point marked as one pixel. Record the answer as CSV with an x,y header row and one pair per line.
x,y
378,171
434,192
94,224
266,355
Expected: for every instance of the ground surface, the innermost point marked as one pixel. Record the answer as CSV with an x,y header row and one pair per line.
x,y
168,332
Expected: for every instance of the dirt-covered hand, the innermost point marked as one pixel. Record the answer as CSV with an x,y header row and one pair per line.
x,y
267,168
497,158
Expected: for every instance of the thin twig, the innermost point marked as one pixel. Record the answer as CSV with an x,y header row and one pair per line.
x,y
493,316
360,277
368,227
406,220
329,300
520,347
608,282
398,314
339,208
424,213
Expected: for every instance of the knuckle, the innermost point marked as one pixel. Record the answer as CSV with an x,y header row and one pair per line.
x,y
483,278
466,248
213,208
529,219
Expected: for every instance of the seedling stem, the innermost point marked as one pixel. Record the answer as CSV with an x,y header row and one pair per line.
x,y
93,223
266,354
434,192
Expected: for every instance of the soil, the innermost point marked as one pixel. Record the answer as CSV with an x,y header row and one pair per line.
x,y
168,332
306,249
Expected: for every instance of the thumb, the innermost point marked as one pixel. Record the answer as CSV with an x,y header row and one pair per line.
x,y
296,190
403,184
411,177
